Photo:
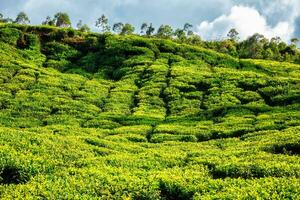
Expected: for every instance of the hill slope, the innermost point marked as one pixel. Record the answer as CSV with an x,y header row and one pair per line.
x,y
85,116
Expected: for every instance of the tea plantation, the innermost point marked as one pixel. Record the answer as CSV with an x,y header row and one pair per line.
x,y
102,116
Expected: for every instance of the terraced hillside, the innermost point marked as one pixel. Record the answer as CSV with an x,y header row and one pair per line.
x,y
87,116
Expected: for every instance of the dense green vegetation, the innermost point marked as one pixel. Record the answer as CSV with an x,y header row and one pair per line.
x,y
89,116
256,46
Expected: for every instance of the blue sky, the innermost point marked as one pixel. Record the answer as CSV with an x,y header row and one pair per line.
x,y
211,18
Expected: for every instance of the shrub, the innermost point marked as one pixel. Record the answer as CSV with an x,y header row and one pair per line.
x,y
288,148
174,191
159,138
59,51
60,65
10,35
12,172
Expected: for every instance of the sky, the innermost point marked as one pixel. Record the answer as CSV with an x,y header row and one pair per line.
x,y
212,19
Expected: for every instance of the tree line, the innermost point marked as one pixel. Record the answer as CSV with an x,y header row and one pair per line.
x,y
256,46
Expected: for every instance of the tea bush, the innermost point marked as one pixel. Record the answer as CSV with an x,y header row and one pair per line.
x,y
101,116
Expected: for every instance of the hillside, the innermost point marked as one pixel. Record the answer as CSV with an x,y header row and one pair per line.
x,y
88,116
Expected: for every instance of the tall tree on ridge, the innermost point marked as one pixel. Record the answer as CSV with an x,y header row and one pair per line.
x,y
127,29
62,20
22,18
294,41
187,29
144,27
82,27
180,34
150,30
117,27
102,23
49,21
233,34
164,31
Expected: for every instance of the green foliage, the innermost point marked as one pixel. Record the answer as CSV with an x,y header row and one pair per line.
x,y
164,31
11,174
9,35
89,116
22,18
62,20
82,27
58,51
102,22
127,29
256,47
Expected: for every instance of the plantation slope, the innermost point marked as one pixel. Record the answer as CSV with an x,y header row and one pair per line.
x,y
88,116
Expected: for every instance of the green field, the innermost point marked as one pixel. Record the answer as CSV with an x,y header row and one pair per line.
x,y
102,116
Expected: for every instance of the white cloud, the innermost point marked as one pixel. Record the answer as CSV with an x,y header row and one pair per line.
x,y
247,21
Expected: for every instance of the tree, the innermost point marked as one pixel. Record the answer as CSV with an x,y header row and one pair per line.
x,y
258,38
187,28
85,28
195,40
190,33
102,23
49,21
233,34
253,47
62,20
228,47
294,41
127,29
150,30
144,27
79,24
82,27
117,27
4,20
22,18
8,20
180,34
164,31
273,46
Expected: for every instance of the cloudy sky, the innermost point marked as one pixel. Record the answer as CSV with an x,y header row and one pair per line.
x,y
211,18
